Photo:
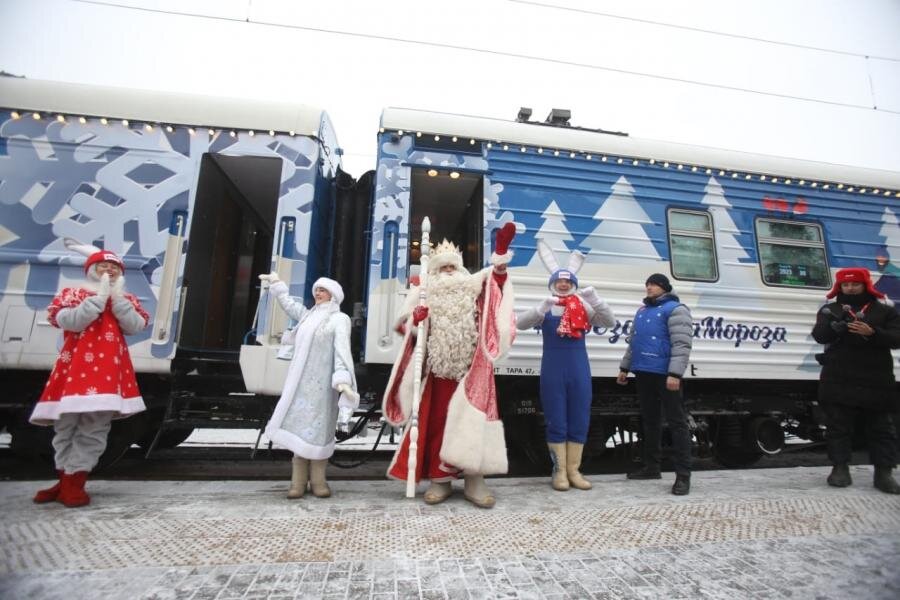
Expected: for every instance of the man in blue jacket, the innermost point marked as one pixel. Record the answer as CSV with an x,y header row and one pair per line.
x,y
659,347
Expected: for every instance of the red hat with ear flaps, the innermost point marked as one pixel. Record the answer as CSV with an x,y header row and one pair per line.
x,y
853,274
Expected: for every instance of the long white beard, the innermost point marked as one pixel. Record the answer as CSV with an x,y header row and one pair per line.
x,y
453,332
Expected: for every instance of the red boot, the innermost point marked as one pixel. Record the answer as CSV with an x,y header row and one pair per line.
x,y
51,493
72,492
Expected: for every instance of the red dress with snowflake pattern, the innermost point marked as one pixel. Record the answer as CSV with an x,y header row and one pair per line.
x,y
94,371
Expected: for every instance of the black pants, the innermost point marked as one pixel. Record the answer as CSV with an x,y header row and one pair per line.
x,y
655,400
880,434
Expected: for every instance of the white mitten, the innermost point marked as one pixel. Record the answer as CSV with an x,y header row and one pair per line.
x,y
270,278
104,288
590,296
118,287
546,305
347,391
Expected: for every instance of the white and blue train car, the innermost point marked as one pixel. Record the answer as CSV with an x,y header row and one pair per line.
x,y
197,194
750,243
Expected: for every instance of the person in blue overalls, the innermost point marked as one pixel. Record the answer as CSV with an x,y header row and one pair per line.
x,y
564,318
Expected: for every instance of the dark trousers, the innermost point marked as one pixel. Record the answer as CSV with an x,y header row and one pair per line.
x,y
655,400
880,434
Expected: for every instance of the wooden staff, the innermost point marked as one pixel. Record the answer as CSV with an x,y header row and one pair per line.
x,y
412,458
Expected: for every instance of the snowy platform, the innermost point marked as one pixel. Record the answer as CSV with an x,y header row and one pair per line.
x,y
765,533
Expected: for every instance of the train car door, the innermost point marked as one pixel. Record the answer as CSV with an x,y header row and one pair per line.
x,y
230,244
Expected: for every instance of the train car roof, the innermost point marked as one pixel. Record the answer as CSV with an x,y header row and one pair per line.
x,y
602,143
166,108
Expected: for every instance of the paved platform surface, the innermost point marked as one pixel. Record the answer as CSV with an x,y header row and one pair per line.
x,y
765,533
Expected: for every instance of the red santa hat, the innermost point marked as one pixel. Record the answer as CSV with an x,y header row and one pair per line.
x,y
103,256
853,274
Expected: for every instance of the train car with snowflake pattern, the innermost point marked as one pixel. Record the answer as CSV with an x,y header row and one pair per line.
x,y
200,195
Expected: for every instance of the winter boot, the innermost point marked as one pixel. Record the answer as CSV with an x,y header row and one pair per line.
x,y
682,485
51,493
560,481
478,493
885,482
299,477
573,463
71,490
645,472
840,476
438,491
317,481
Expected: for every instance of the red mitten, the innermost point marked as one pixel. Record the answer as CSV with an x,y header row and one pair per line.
x,y
504,237
420,313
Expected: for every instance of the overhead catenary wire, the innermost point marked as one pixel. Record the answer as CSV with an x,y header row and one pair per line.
x,y
486,51
738,36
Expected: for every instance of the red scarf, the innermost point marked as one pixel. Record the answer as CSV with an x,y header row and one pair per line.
x,y
574,318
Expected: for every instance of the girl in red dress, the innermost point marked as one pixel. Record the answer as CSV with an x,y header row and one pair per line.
x,y
93,379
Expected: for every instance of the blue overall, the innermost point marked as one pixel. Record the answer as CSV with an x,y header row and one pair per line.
x,y
565,385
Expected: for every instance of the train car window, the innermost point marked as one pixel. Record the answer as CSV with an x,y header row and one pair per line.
x,y
792,254
692,245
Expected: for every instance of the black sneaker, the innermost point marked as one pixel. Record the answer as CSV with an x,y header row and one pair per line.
x,y
682,485
645,473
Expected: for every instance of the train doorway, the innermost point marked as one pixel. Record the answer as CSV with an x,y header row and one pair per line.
x,y
454,202
230,244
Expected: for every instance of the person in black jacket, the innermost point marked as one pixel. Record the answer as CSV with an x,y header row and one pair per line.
x,y
858,375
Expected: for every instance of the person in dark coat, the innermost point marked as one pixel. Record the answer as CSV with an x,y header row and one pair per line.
x,y
658,351
858,375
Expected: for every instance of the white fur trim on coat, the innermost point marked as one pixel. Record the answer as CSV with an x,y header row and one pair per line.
x,y
48,411
471,442
501,259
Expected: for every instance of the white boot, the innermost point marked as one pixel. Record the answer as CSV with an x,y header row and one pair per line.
x,y
317,482
299,477
478,493
438,491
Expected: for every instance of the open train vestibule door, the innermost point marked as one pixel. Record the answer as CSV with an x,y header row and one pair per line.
x,y
230,244
454,203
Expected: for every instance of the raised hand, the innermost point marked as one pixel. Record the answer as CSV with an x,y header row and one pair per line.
x,y
270,278
504,237
118,287
590,295
546,305
104,289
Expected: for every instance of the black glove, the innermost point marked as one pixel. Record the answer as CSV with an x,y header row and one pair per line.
x,y
839,326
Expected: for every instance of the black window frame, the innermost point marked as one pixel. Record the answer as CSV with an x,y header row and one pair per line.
x,y
692,233
791,242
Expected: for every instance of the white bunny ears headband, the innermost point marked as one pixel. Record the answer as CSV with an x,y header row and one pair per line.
x,y
548,257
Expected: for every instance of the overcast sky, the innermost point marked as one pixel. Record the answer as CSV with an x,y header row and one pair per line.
x,y
815,79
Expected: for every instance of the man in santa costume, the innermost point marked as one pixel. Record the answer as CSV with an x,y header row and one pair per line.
x,y
469,324
93,380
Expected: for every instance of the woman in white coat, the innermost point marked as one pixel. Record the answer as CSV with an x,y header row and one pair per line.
x,y
320,383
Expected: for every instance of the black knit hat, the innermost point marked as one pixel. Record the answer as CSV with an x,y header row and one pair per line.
x,y
660,280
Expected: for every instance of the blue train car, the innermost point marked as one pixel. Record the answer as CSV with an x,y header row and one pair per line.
x,y
200,195
197,194
750,243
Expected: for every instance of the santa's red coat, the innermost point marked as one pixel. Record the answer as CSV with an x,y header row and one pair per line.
x,y
93,372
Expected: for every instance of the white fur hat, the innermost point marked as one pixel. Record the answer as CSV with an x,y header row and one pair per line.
x,y
333,287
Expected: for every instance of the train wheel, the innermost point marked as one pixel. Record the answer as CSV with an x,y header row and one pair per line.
x,y
731,448
30,442
735,458
525,437
122,434
168,439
